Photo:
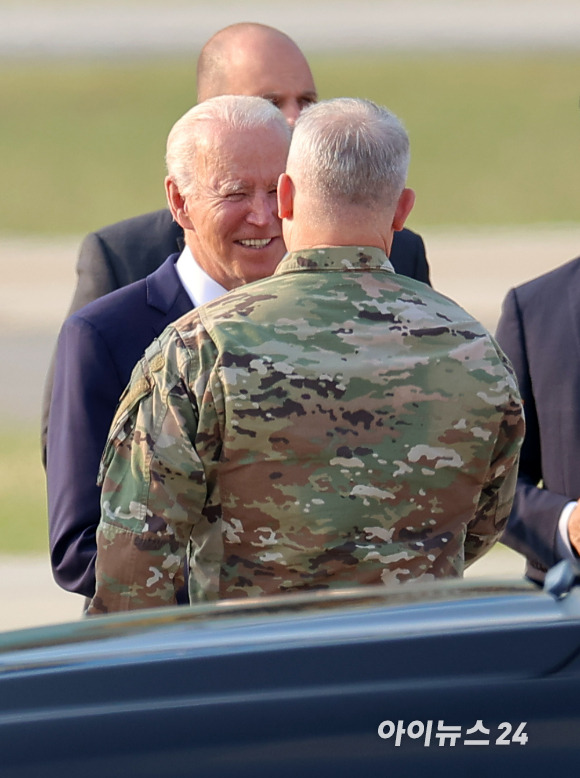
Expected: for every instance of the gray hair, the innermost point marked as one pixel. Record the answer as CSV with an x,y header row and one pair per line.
x,y
235,112
350,151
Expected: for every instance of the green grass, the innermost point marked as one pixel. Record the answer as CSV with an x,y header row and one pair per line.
x,y
495,138
23,522
83,145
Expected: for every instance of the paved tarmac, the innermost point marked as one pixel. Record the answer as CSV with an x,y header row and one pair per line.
x,y
33,28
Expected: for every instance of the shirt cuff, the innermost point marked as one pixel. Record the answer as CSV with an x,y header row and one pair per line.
x,y
563,546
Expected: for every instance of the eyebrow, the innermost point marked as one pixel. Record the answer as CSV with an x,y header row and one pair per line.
x,y
232,185
310,94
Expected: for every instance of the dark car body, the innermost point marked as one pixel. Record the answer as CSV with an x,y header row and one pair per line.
x,y
365,682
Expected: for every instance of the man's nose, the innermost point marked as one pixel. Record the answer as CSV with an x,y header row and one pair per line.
x,y
291,111
263,208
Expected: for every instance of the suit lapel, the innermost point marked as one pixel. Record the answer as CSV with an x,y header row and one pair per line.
x,y
166,295
573,305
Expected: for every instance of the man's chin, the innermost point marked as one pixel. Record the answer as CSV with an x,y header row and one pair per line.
x,y
262,267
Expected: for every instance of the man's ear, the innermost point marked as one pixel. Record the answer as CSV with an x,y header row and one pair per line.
x,y
177,204
285,197
403,209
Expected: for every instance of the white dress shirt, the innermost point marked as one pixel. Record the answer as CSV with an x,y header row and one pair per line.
x,y
200,287
563,545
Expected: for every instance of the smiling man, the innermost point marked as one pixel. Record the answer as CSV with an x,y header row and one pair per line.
x,y
224,197
223,158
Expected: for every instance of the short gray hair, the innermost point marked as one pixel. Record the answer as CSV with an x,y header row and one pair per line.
x,y
350,151
235,112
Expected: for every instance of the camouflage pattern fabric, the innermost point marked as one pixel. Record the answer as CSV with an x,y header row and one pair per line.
x,y
335,424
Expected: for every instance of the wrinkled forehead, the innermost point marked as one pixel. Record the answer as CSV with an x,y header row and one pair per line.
x,y
269,70
256,154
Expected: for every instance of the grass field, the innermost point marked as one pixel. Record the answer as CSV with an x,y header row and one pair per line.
x,y
23,526
494,137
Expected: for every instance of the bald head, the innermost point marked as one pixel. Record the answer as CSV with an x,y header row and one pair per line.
x,y
259,61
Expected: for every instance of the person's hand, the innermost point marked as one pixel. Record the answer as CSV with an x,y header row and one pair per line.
x,y
574,528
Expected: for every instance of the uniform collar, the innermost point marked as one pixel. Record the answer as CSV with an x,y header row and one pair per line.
x,y
342,258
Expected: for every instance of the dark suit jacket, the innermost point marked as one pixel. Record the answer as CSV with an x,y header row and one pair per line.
x,y
129,250
539,330
97,349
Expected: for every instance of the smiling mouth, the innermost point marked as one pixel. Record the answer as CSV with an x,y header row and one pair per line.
x,y
255,243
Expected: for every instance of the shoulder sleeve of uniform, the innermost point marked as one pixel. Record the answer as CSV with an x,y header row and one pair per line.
x,y
153,486
499,483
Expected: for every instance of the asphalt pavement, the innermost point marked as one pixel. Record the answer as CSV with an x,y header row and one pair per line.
x,y
51,28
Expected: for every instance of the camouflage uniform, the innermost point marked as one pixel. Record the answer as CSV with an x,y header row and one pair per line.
x,y
331,425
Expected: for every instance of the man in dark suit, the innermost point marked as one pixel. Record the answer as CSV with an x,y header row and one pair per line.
x,y
97,350
232,236
539,330
243,59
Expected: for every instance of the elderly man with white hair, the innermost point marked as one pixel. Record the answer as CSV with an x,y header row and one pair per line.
x,y
334,424
223,158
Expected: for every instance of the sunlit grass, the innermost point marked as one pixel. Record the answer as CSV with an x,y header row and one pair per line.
x,y
495,138
23,523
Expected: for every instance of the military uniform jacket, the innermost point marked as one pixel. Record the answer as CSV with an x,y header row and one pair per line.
x,y
333,424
